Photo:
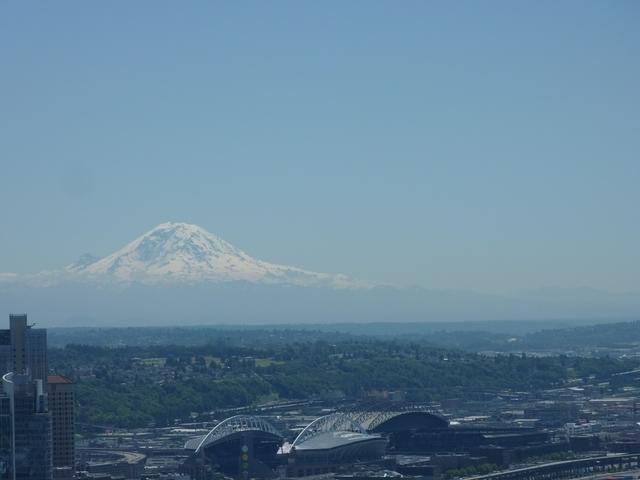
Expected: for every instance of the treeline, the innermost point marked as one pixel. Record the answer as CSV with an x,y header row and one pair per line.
x,y
468,336
190,336
136,386
610,335
102,403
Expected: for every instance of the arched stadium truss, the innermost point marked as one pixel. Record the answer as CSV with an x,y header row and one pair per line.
x,y
238,423
336,422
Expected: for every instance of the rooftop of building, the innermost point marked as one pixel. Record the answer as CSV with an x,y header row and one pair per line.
x,y
58,379
329,440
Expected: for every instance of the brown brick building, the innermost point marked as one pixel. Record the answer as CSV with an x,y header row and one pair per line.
x,y
61,403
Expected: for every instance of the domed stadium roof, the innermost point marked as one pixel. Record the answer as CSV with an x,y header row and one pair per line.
x,y
332,431
398,420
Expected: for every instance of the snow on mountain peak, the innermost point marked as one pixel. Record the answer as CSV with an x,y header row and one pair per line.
x,y
185,252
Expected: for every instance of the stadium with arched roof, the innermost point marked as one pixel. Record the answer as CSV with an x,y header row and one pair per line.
x,y
393,421
330,441
238,445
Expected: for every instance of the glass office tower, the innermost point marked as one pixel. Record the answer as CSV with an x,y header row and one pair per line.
x,y
30,426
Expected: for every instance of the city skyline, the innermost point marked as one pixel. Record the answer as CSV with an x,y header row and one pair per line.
x,y
364,240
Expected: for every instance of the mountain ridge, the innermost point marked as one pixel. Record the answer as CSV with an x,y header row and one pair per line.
x,y
177,252
180,273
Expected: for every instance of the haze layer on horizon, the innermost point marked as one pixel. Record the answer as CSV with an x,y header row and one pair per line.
x,y
479,146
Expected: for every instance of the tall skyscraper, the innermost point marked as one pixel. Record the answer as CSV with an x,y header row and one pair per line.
x,y
6,354
37,364
6,437
26,428
23,349
30,425
61,401
18,328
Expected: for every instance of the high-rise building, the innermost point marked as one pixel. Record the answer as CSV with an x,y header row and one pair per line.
x,y
26,428
30,442
61,401
6,437
37,364
18,328
23,349
6,355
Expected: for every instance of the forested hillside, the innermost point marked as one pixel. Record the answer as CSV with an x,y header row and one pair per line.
x,y
134,386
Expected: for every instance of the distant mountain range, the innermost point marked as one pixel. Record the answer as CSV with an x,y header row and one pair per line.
x,y
179,273
582,338
179,253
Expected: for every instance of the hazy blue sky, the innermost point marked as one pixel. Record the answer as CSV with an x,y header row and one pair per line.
x,y
476,145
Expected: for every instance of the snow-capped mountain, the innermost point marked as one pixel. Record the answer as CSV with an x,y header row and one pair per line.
x,y
188,253
180,274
